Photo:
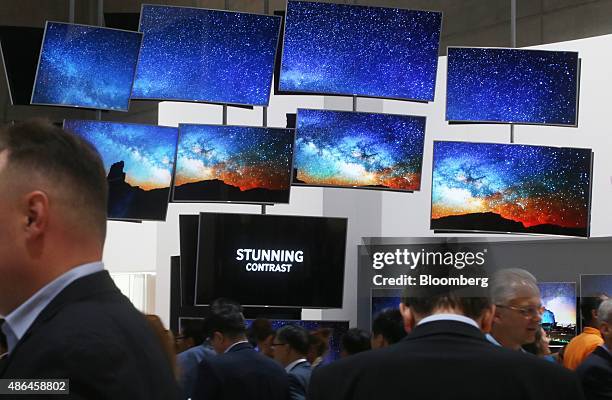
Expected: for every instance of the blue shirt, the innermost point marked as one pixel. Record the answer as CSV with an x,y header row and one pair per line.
x,y
449,317
17,323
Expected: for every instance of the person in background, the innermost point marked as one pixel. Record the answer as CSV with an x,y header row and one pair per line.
x,y
261,335
354,341
387,328
191,336
166,339
540,347
582,345
290,348
318,346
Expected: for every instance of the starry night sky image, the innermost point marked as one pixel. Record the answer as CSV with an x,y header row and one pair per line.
x,y
560,298
512,86
357,50
354,149
147,153
510,188
593,285
213,56
86,66
233,163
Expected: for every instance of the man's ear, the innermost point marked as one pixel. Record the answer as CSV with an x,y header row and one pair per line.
x,y
486,321
408,317
35,207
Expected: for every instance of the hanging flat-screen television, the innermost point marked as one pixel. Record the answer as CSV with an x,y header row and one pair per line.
x,y
511,188
359,150
220,163
196,54
19,49
356,50
494,85
271,260
559,317
86,66
382,300
139,162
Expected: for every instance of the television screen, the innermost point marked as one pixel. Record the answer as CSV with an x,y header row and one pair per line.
x,y
362,150
233,163
559,318
383,299
271,260
355,50
19,48
511,188
86,66
188,243
195,54
139,162
512,86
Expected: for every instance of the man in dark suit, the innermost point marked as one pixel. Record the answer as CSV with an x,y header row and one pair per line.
x,y
446,356
596,371
238,372
64,317
290,349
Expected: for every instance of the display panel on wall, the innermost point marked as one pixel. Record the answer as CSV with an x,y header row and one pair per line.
x,y
360,150
512,86
19,49
511,188
233,163
195,54
139,162
271,260
595,285
86,66
559,318
383,299
355,50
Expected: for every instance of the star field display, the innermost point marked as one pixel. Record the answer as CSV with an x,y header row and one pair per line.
x,y
510,188
85,66
139,162
233,163
356,50
383,299
512,86
595,285
195,54
559,318
355,149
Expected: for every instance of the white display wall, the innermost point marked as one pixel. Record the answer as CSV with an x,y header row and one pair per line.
x,y
148,246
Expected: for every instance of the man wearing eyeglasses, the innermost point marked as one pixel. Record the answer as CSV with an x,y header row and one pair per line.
x,y
290,348
518,308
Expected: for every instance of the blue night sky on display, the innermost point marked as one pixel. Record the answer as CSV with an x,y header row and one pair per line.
x,y
560,298
592,285
356,50
147,150
340,148
245,157
529,184
86,66
196,54
509,85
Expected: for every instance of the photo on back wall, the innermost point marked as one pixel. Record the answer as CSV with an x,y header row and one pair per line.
x,y
559,317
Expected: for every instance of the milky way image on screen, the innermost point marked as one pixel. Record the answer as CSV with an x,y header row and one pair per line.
x,y
139,161
511,188
594,285
85,66
383,299
512,86
356,50
233,163
559,318
195,54
364,150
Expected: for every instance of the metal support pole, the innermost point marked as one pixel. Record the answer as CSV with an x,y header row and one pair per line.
x,y
513,23
354,103
71,7
100,12
224,114
264,117
263,209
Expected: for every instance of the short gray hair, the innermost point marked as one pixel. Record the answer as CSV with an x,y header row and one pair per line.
x,y
604,312
508,284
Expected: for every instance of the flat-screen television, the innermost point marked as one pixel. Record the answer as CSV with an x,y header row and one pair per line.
x,y
271,260
360,150
220,163
86,66
383,299
19,49
139,162
559,317
196,54
493,85
188,243
511,188
356,50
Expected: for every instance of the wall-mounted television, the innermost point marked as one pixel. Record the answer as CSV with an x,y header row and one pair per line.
x,y
19,49
511,188
139,162
383,299
360,150
496,85
271,260
86,66
196,54
220,163
357,50
559,317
